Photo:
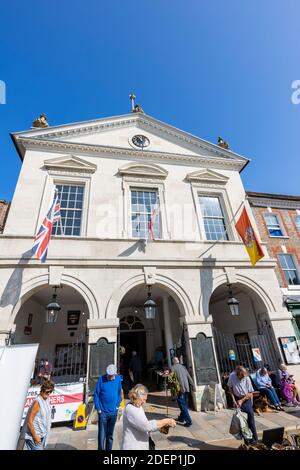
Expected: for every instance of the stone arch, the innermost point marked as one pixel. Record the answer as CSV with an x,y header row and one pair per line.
x,y
175,290
243,281
36,283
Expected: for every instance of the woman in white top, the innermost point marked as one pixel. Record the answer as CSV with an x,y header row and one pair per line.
x,y
136,426
38,421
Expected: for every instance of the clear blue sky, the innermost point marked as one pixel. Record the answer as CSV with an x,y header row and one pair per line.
x,y
210,67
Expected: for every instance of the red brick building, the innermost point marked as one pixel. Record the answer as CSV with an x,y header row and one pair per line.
x,y
4,208
278,220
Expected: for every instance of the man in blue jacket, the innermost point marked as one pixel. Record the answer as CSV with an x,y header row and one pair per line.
x,y
107,399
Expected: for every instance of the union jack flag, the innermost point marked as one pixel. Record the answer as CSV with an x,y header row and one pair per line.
x,y
42,239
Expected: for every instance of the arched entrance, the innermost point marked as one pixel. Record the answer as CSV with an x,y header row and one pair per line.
x,y
245,339
63,343
146,337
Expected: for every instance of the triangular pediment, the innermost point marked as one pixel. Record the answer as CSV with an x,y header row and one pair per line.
x,y
70,163
207,176
135,169
118,136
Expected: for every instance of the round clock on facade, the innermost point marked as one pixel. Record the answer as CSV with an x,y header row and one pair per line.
x,y
140,141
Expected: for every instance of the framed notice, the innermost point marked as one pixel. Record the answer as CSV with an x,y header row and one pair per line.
x,y
290,349
73,317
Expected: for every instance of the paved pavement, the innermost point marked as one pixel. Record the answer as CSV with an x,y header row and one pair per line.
x,y
208,432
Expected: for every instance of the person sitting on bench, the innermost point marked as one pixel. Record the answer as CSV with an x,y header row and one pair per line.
x,y
264,384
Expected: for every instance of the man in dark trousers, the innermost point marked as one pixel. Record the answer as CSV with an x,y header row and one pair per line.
x,y
107,399
135,366
241,390
186,385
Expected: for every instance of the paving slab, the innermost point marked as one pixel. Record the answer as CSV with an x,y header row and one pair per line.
x,y
209,430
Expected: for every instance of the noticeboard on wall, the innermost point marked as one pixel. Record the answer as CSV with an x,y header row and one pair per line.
x,y
204,360
101,355
290,349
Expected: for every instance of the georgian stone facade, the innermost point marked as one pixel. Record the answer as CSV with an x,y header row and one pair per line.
x,y
104,267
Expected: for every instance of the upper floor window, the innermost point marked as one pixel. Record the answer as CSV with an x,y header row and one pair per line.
x,y
289,269
144,207
71,202
273,225
213,218
297,222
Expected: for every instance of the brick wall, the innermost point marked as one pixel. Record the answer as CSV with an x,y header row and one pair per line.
x,y
4,208
291,240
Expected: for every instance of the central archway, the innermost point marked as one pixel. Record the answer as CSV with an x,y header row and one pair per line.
x,y
153,341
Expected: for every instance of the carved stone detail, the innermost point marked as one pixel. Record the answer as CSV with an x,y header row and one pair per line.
x,y
207,176
143,170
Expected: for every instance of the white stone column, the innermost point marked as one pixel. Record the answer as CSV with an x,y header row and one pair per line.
x,y
167,325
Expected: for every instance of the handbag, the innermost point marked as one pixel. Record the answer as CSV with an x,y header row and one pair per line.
x,y
239,426
151,443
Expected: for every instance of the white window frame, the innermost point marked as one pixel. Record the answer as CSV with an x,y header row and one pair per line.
x,y
279,221
284,269
53,180
221,194
297,228
158,215
131,184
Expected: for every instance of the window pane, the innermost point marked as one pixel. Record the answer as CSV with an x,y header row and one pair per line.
x,y
213,219
275,232
289,269
273,225
71,201
297,222
142,206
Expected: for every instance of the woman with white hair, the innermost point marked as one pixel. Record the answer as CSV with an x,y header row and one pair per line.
x,y
136,426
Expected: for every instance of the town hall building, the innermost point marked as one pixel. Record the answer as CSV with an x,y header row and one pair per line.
x,y
148,212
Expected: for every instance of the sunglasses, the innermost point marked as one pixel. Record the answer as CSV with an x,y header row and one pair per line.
x,y
48,392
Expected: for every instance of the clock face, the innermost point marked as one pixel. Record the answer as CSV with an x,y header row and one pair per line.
x,y
140,141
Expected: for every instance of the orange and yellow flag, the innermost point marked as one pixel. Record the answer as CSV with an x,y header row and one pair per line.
x,y
249,238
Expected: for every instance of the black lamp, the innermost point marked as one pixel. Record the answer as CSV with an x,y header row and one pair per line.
x,y
52,309
233,303
150,306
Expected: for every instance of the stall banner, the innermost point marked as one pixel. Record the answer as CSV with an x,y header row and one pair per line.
x,y
64,401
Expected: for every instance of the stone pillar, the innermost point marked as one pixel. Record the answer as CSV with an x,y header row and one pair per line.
x,y
106,328
167,325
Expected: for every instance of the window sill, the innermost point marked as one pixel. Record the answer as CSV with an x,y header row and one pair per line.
x,y
279,236
294,287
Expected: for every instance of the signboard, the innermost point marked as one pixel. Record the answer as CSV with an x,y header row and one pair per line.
x,y
256,355
101,355
73,317
204,360
16,364
290,349
64,401
231,354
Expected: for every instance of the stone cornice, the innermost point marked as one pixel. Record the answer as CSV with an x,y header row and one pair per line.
x,y
207,176
69,164
273,203
143,170
113,263
137,155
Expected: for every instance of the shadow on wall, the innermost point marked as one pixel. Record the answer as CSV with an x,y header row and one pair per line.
x,y
206,283
12,290
140,245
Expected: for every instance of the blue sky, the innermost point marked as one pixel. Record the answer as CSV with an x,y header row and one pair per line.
x,y
208,67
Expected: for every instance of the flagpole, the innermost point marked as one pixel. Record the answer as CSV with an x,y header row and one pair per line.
x,y
230,222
